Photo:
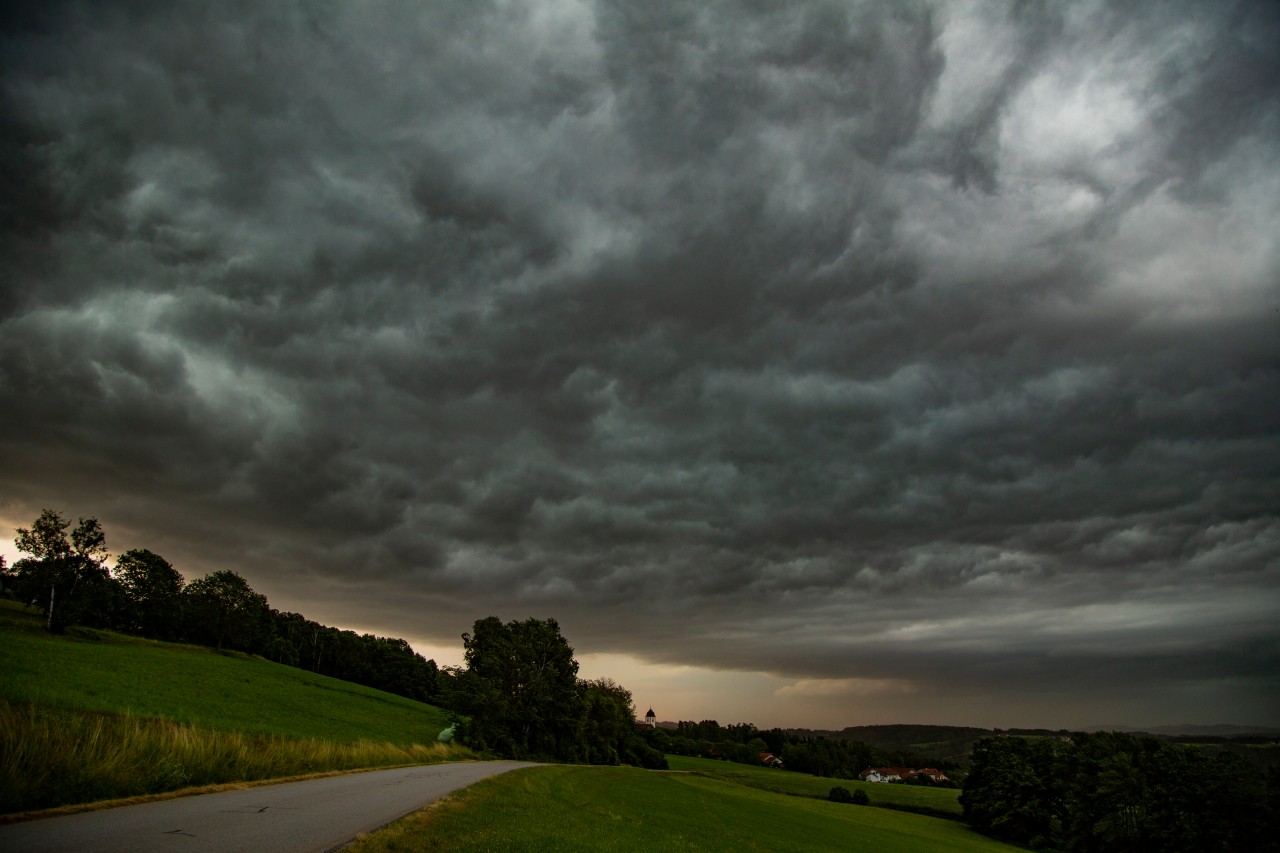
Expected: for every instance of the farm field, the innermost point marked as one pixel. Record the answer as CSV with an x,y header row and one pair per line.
x,y
574,808
941,801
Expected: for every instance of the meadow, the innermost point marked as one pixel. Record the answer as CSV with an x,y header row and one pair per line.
x,y
574,808
88,670
93,715
939,802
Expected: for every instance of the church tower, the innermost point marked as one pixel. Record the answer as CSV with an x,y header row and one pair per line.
x,y
651,719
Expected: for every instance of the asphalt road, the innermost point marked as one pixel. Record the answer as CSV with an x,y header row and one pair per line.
x,y
293,817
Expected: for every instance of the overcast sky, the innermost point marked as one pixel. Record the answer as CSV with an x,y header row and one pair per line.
x,y
814,364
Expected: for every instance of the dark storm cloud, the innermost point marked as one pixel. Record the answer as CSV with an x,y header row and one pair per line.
x,y
930,343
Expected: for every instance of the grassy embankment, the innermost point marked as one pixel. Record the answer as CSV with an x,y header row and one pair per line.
x,y
938,802
94,715
569,808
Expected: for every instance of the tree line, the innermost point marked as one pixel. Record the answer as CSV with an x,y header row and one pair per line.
x,y
1109,791
64,572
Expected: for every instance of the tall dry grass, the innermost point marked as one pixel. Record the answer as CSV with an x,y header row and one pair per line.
x,y
51,757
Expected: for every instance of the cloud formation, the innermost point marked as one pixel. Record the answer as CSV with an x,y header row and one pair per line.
x,y
925,345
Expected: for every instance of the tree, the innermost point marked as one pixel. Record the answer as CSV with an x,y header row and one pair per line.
x,y
66,577
1111,791
153,589
223,610
609,721
385,663
1013,790
519,692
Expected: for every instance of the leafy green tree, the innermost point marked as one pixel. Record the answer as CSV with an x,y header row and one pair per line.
x,y
609,717
640,753
282,651
385,663
1234,803
519,693
222,610
1114,816
153,589
1105,792
1013,790
659,740
65,576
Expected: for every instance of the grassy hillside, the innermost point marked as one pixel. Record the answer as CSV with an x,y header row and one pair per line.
x,y
102,671
939,801
624,809
94,715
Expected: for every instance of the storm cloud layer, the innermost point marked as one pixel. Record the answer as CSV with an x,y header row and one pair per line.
x,y
905,349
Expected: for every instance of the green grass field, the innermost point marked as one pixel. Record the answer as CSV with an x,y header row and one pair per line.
x,y
570,808
102,671
939,801
93,715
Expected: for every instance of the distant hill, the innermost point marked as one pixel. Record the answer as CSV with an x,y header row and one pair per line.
x,y
1188,730
955,743
940,743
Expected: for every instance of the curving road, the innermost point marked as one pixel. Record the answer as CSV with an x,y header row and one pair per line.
x,y
292,817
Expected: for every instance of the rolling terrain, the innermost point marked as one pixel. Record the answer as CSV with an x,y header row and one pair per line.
x,y
92,715
89,670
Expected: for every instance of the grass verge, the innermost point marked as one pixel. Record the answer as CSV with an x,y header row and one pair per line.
x,y
54,757
573,808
